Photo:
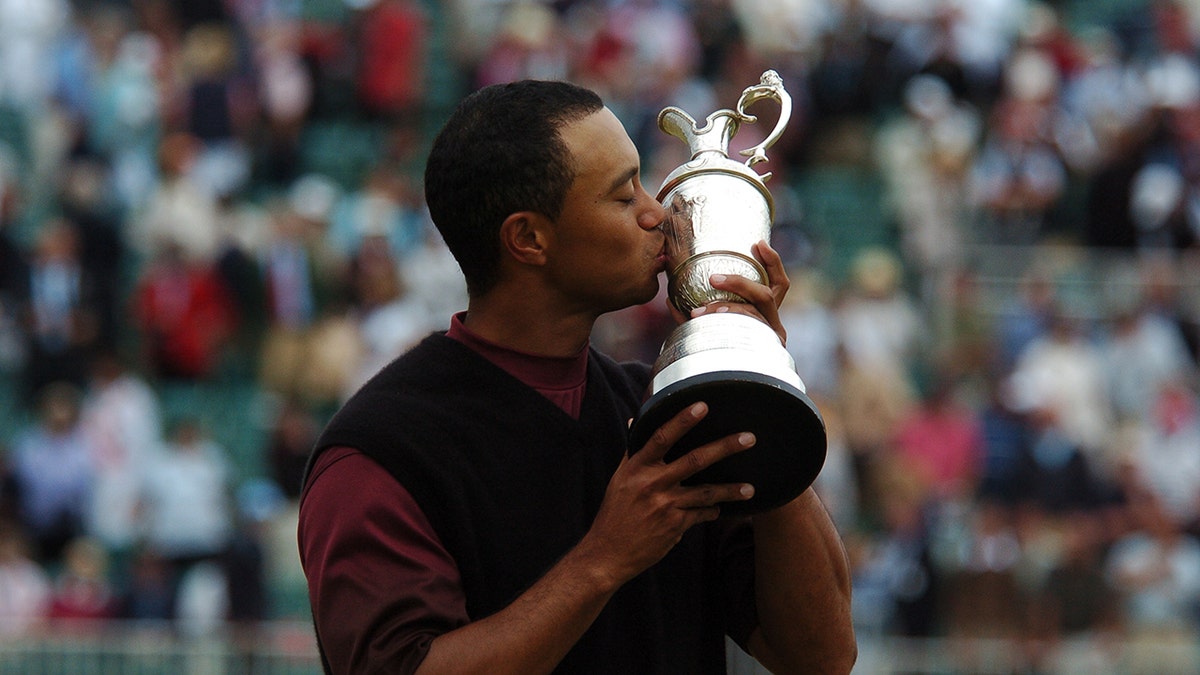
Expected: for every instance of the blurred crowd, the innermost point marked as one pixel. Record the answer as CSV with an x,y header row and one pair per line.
x,y
230,189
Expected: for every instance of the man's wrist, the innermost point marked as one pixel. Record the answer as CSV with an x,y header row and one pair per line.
x,y
593,567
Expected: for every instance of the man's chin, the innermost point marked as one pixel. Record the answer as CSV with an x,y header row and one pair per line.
x,y
649,294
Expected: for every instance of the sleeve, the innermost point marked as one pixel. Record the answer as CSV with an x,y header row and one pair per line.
x,y
380,583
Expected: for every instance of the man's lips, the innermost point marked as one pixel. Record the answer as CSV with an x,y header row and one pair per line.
x,y
661,260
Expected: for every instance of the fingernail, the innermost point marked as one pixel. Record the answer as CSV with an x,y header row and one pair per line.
x,y
717,278
722,309
699,310
747,490
697,409
746,439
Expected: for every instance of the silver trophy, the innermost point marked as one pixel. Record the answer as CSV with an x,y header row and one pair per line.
x,y
718,208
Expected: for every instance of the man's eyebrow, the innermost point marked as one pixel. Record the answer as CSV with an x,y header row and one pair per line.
x,y
622,180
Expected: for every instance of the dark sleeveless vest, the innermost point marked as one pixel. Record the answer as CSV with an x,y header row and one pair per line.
x,y
510,482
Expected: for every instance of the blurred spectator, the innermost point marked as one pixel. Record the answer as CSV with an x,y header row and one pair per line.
x,y
149,592
59,310
246,559
1057,476
293,433
1156,570
896,585
940,441
1064,372
873,401
286,95
311,346
89,208
218,107
1162,290
630,334
81,590
182,210
24,586
386,205
184,313
13,265
983,583
965,335
10,503
1005,435
389,318
391,47
1074,611
812,333
1028,318
1141,353
877,321
837,484
1019,175
54,468
297,295
531,43
121,416
186,510
28,35
432,276
1109,100
925,157
120,104
1163,452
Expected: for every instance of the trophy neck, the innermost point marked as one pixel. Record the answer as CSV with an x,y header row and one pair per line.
x,y
715,164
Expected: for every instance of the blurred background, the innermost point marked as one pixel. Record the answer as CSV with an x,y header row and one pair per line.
x,y
212,230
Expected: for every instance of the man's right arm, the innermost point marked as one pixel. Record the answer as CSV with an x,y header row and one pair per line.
x,y
644,514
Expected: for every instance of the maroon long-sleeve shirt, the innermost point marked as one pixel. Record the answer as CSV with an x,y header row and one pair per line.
x,y
381,584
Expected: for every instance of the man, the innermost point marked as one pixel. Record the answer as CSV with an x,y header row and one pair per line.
x,y
474,507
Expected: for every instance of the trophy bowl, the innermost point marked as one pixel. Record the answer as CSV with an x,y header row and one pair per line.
x,y
718,208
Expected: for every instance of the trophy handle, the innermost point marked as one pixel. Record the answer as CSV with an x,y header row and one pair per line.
x,y
770,86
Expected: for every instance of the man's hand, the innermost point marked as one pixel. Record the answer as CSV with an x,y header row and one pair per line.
x,y
646,509
762,300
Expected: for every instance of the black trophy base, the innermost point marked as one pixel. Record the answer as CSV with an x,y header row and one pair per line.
x,y
790,433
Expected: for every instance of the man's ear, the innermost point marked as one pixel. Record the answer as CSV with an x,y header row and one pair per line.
x,y
525,235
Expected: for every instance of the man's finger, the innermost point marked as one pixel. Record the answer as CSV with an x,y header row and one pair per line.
x,y
706,455
665,437
777,277
763,302
703,496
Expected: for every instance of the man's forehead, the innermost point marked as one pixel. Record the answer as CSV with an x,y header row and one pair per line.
x,y
599,144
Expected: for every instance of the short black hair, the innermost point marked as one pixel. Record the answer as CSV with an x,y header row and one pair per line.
x,y
500,152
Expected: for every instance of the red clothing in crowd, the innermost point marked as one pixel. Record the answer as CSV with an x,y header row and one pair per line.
x,y
187,315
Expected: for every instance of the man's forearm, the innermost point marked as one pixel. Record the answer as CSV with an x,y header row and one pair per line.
x,y
803,591
535,632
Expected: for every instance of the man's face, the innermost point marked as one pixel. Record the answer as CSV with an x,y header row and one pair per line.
x,y
607,250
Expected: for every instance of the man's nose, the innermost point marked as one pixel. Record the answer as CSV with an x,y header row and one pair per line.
x,y
653,216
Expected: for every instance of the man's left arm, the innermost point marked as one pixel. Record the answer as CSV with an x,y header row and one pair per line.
x,y
802,576
802,589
